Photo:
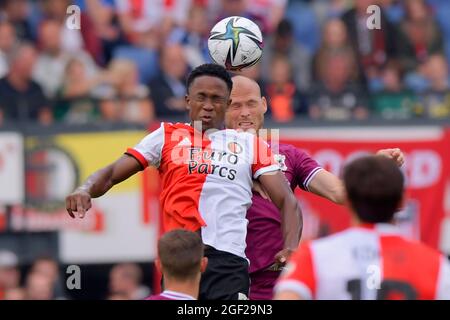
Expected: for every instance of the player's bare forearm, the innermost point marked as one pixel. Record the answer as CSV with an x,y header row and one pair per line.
x,y
328,186
282,196
291,222
99,183
104,179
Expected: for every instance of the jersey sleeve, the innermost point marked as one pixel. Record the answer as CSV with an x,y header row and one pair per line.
x,y
443,285
148,151
298,276
305,168
263,159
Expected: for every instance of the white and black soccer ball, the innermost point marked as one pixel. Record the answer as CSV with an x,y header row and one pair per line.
x,y
235,43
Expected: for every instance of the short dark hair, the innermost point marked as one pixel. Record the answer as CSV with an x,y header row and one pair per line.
x,y
374,187
180,252
212,70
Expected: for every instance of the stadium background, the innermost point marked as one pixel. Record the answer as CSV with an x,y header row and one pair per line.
x,y
334,88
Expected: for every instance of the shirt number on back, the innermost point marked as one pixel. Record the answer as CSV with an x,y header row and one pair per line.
x,y
389,289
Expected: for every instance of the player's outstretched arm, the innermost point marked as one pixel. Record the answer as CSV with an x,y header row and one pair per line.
x,y
327,185
99,183
291,216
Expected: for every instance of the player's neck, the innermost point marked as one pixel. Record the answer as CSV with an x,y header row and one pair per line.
x,y
189,287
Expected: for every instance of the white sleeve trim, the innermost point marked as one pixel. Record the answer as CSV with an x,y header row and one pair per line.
x,y
273,167
295,286
151,146
311,176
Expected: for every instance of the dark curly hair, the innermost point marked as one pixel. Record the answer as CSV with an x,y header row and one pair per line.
x,y
212,70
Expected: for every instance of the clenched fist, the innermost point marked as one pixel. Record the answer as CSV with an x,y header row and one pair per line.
x,y
395,154
79,201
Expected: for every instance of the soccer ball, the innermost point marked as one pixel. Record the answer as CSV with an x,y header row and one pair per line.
x,y
235,43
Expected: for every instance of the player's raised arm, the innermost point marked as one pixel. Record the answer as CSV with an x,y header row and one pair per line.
x,y
327,185
146,152
99,183
291,216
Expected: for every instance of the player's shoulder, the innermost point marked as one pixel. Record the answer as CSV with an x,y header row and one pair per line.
x,y
175,125
421,249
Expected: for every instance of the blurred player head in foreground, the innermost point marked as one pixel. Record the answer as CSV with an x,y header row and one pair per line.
x,y
208,95
247,108
374,186
181,261
342,266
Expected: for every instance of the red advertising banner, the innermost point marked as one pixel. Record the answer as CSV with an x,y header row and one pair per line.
x,y
427,168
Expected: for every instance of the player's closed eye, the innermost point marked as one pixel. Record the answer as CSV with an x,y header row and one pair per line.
x,y
252,104
200,98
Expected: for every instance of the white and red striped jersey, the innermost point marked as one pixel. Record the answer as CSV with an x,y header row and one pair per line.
x,y
367,262
206,180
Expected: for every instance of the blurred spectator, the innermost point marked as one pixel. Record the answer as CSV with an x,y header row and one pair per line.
x,y
230,8
284,100
433,83
329,9
420,36
105,22
16,12
441,9
128,100
49,268
9,272
269,12
72,40
373,47
337,96
390,100
306,28
158,16
76,100
393,10
38,287
334,40
299,58
22,99
52,60
125,281
7,41
194,37
431,75
168,89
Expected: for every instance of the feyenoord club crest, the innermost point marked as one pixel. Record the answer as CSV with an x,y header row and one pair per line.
x,y
235,147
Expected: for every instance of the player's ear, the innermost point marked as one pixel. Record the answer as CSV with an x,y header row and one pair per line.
x,y
158,265
264,102
186,98
203,264
402,202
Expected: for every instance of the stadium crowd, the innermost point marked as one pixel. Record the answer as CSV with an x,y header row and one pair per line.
x,y
44,279
129,59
